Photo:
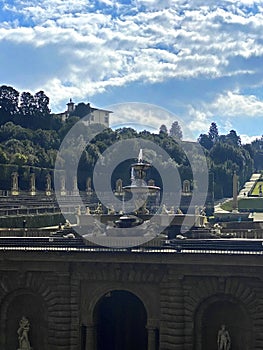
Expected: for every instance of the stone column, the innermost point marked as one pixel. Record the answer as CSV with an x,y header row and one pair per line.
x,y
90,336
235,192
151,328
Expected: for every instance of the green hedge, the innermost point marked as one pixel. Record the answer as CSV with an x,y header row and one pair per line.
x,y
24,172
35,221
251,204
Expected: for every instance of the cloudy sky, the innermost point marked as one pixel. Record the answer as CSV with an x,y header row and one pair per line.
x,y
199,60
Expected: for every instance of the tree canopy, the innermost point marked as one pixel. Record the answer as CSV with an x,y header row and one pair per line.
x,y
30,136
176,131
225,155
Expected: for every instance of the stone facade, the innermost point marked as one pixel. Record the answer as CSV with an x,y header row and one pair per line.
x,y
161,300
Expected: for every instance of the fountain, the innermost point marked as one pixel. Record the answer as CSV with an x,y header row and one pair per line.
x,y
133,221
136,223
140,191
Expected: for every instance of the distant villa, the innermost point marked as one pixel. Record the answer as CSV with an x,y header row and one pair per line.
x,y
95,115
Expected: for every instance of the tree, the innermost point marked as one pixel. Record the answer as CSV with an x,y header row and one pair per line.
x,y
48,139
19,159
176,131
233,139
163,130
258,144
42,102
81,110
126,133
205,141
27,104
213,132
8,103
3,157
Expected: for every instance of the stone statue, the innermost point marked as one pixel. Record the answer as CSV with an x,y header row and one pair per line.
x,y
179,211
62,183
164,209
14,188
87,210
223,339
15,181
186,186
88,186
75,185
48,182
171,211
111,210
99,209
48,185
22,332
119,186
32,182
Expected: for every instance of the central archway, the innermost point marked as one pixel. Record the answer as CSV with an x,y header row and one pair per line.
x,y
121,321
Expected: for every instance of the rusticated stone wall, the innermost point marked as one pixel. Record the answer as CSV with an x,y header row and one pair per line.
x,y
186,297
48,299
172,312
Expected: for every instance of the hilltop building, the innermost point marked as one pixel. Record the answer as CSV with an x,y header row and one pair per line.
x,y
95,115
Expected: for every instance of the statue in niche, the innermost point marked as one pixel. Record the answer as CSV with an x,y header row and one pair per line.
x,y
32,182
88,185
223,339
48,184
187,187
22,332
75,183
62,183
119,186
14,181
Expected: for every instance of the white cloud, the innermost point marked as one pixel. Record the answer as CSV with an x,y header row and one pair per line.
x,y
248,139
233,104
140,114
74,49
226,109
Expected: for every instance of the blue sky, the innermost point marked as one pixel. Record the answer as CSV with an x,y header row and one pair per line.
x,y
199,60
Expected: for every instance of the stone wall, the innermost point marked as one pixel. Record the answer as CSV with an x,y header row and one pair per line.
x,y
186,297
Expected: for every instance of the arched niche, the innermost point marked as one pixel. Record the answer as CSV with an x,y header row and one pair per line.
x,y
121,321
222,310
16,305
133,310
